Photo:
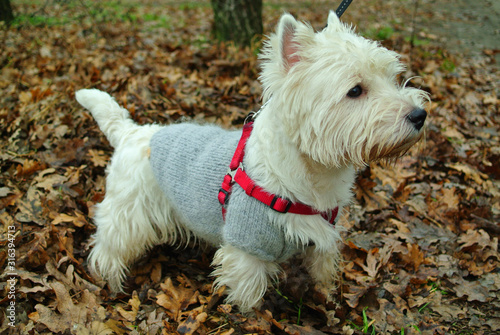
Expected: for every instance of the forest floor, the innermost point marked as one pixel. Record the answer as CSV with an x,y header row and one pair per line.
x,y
421,239
464,27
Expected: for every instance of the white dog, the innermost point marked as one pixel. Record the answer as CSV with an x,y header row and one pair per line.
x,y
332,106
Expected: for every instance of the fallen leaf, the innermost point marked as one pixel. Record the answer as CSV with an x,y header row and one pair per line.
x,y
192,323
372,264
473,290
78,219
476,237
355,293
414,257
176,299
5,191
69,314
450,198
98,157
469,172
133,304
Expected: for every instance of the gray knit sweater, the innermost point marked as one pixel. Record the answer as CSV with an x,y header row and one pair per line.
x,y
189,162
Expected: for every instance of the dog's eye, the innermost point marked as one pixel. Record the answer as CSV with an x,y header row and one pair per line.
x,y
355,92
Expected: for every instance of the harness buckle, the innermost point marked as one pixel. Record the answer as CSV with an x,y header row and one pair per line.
x,y
223,196
225,190
273,203
232,172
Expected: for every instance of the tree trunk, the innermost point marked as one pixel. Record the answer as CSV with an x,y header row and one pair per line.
x,y
6,11
237,20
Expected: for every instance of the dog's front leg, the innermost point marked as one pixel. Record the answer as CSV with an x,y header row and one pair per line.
x,y
245,276
324,266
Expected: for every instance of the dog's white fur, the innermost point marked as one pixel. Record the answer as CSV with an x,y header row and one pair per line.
x,y
306,144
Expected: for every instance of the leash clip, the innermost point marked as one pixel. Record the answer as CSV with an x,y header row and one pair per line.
x,y
252,115
232,172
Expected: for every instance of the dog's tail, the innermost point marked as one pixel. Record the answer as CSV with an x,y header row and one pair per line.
x,y
113,120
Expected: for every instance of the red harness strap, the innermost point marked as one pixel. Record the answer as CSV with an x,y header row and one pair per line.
x,y
237,174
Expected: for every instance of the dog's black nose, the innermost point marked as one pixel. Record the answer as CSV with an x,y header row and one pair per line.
x,y
417,117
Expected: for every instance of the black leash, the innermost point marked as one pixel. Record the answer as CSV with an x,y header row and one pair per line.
x,y
342,7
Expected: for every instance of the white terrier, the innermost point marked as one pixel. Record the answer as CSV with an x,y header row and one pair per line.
x,y
332,106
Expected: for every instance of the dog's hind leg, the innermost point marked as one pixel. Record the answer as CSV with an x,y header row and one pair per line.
x,y
245,276
134,215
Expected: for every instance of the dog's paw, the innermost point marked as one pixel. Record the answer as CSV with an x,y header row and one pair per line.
x,y
324,267
245,276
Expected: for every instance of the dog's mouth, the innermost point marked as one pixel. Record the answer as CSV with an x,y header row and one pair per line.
x,y
398,149
402,139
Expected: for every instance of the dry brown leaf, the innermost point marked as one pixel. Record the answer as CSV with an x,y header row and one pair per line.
x,y
414,257
193,322
99,157
372,264
48,182
256,325
116,327
399,287
176,299
69,314
301,330
469,172
355,293
473,290
39,283
390,175
477,237
5,191
450,197
30,207
133,304
78,219
29,167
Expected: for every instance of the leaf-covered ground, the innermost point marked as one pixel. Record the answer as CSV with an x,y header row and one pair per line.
x,y
421,240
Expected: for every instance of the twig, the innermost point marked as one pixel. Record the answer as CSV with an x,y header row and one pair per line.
x,y
413,23
487,225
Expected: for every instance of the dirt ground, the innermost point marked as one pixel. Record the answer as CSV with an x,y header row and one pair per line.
x,y
463,26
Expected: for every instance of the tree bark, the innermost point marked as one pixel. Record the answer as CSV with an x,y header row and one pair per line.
x,y
237,20
6,11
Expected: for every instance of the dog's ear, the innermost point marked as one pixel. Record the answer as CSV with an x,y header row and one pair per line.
x,y
288,44
334,22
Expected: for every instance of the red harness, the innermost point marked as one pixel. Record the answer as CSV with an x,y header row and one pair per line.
x,y
237,174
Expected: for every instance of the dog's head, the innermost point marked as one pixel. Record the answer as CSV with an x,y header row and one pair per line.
x,y
336,94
